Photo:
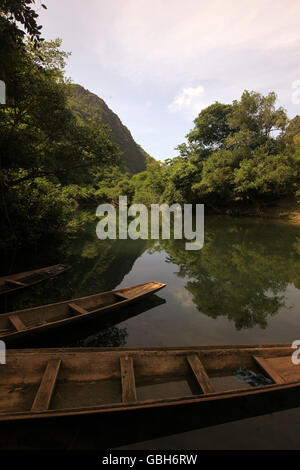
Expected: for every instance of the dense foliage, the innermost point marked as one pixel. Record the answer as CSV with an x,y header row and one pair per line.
x,y
237,156
48,159
56,153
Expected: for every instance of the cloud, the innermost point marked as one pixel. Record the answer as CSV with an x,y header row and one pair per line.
x,y
188,99
184,298
167,43
163,50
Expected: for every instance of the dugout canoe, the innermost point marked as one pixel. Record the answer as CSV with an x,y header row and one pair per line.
x,y
62,383
32,321
14,282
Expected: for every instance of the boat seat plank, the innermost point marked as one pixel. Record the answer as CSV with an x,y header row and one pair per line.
x,y
284,366
77,308
266,365
14,283
17,322
128,380
200,373
47,385
121,296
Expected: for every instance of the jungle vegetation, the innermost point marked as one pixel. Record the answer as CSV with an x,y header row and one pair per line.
x,y
57,153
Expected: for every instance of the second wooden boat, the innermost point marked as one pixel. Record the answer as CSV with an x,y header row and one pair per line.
x,y
24,323
14,282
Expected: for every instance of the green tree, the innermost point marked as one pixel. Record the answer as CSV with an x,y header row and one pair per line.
x,y
256,121
41,140
14,13
237,155
210,132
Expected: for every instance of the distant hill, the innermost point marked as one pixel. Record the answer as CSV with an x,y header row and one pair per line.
x,y
87,105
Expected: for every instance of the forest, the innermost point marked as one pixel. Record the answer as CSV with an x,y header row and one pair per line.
x,y
238,159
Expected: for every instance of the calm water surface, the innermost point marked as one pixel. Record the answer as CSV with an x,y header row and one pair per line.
x,y
242,287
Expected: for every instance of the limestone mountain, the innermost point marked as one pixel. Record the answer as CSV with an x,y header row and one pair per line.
x,y
87,105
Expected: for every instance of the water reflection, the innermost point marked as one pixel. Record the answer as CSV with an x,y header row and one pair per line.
x,y
96,266
242,271
248,272
112,337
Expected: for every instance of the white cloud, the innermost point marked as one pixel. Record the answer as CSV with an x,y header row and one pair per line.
x,y
184,298
188,99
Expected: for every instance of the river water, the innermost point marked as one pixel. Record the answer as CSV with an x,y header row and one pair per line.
x,y
243,286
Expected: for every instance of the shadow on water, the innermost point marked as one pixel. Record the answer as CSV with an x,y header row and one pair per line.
x,y
123,428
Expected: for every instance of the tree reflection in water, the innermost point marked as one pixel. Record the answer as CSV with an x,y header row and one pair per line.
x,y
242,271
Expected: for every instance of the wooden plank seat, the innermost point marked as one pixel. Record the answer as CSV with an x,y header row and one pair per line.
x,y
266,366
200,373
77,309
121,296
128,380
44,394
17,322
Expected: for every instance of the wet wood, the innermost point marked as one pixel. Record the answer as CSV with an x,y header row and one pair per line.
x,y
269,370
46,388
128,380
104,380
285,368
200,373
17,322
77,309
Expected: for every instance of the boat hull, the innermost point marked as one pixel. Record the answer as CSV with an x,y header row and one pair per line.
x,y
15,282
21,328
126,371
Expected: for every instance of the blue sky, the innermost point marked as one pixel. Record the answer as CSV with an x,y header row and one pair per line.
x,y
157,63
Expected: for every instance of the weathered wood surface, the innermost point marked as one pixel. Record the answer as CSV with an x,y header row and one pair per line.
x,y
28,380
200,373
17,322
128,380
76,308
43,397
57,315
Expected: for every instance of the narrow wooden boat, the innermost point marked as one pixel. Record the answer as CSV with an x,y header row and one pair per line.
x,y
31,321
63,383
13,282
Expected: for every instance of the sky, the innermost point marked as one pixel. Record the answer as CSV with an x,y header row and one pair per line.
x,y
157,63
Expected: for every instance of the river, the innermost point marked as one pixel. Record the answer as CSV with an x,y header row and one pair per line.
x,y
242,287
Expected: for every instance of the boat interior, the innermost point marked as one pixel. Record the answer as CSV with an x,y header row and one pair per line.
x,y
71,379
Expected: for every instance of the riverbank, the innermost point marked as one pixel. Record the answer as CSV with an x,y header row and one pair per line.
x,y
286,210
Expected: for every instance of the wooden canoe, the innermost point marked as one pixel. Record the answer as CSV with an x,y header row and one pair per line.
x,y
48,383
14,282
24,323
